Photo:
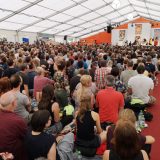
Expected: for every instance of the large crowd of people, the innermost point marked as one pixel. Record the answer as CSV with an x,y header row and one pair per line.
x,y
57,100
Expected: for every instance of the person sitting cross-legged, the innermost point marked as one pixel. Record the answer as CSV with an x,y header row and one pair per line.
x,y
13,128
140,87
126,144
109,102
87,141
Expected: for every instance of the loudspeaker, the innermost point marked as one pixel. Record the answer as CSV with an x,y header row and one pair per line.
x,y
109,28
65,37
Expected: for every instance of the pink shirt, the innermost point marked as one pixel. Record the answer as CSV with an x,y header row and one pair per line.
x,y
40,82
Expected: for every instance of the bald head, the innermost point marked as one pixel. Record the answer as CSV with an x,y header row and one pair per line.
x,y
8,101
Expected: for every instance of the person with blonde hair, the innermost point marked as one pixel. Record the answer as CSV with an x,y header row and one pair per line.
x,y
87,141
84,88
125,116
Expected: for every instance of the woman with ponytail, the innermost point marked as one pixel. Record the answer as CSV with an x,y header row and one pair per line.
x,y
87,140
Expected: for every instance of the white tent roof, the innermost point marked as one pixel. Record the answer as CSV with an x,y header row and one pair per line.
x,y
71,17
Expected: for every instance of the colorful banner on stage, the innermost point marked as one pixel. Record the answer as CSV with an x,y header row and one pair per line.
x,y
122,35
157,33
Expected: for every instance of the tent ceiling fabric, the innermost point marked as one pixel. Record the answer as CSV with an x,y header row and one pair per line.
x,y
75,18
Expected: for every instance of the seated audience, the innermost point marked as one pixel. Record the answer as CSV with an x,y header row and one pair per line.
x,y
128,73
39,82
84,87
23,74
23,103
109,102
13,128
126,144
61,85
140,87
86,121
128,115
10,70
5,85
31,74
38,143
100,75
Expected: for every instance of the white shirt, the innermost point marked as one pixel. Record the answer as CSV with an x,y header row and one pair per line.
x,y
141,85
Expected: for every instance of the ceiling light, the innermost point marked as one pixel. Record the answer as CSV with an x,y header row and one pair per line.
x,y
130,17
116,4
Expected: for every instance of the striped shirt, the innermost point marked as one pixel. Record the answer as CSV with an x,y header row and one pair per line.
x,y
100,77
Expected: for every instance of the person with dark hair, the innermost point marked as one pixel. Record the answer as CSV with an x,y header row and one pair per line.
x,y
141,86
89,61
128,73
61,85
70,69
47,102
5,85
80,66
92,70
109,102
119,85
23,103
38,143
100,75
43,61
150,67
10,70
24,85
126,144
31,74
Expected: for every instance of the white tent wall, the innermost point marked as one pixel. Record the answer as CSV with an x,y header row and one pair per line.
x,y
13,36
31,36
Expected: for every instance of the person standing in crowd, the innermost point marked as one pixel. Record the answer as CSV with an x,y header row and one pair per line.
x,y
13,128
